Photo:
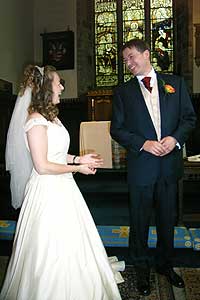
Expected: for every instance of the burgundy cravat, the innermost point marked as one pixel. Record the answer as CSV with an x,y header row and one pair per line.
x,y
146,81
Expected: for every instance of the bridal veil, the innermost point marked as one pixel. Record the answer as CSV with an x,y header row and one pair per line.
x,y
18,159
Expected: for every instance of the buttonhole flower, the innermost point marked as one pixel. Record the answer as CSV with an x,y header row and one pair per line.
x,y
169,89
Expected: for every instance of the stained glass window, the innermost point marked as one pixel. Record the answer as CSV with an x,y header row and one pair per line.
x,y
106,43
133,19
133,24
117,21
161,15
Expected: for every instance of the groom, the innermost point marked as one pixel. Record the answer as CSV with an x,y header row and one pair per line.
x,y
152,118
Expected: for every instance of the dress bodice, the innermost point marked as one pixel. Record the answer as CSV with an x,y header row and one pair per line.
x,y
58,139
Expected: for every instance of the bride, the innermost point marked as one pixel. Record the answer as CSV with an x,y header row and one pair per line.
x,y
57,252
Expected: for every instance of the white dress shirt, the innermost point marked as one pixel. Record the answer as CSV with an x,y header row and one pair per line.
x,y
152,101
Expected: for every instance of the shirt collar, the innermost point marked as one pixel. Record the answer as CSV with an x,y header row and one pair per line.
x,y
151,74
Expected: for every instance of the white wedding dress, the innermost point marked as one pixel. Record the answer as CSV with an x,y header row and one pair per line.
x,y
57,252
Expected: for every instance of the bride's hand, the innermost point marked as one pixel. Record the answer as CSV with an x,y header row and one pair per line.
x,y
91,159
86,169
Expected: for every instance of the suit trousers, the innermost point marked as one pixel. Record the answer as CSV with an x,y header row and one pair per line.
x,y
160,197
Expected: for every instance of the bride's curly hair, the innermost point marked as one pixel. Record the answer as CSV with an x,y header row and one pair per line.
x,y
42,93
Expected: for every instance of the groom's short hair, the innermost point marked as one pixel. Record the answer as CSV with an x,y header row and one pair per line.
x,y
139,44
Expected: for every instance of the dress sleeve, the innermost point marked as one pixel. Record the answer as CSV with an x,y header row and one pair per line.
x,y
34,122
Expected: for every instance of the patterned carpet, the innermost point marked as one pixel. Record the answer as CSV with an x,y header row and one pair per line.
x,y
160,288
191,276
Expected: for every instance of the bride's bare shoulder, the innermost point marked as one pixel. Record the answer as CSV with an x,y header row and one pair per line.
x,y
34,115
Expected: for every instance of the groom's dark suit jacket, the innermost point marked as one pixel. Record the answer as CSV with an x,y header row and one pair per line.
x,y
131,126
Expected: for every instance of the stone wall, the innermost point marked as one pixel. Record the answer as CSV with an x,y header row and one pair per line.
x,y
85,48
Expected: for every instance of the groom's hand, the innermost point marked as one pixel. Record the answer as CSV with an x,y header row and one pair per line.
x,y
154,147
169,143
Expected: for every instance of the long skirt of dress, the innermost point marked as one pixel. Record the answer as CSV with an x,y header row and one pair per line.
x,y
57,252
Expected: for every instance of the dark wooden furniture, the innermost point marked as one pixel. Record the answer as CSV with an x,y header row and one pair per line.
x,y
189,195
106,195
72,112
99,105
193,142
7,101
6,107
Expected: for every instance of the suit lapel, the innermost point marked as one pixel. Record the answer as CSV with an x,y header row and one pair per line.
x,y
161,90
162,100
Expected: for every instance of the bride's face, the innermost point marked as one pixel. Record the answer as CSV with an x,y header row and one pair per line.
x,y
57,88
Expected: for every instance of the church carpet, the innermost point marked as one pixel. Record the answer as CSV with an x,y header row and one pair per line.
x,y
160,288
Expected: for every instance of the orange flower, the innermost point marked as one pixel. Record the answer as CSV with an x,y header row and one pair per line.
x,y
169,89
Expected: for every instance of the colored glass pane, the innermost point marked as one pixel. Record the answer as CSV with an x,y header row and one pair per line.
x,y
133,23
133,19
161,15
106,43
160,3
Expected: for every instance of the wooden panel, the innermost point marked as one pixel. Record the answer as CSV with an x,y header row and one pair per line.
x,y
6,107
99,105
72,112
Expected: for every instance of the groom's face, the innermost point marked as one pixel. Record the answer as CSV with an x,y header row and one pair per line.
x,y
137,62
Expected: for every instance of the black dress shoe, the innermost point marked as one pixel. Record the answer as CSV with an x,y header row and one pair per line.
x,y
142,281
171,276
143,288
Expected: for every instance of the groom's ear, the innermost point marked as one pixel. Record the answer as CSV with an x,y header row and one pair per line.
x,y
146,54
